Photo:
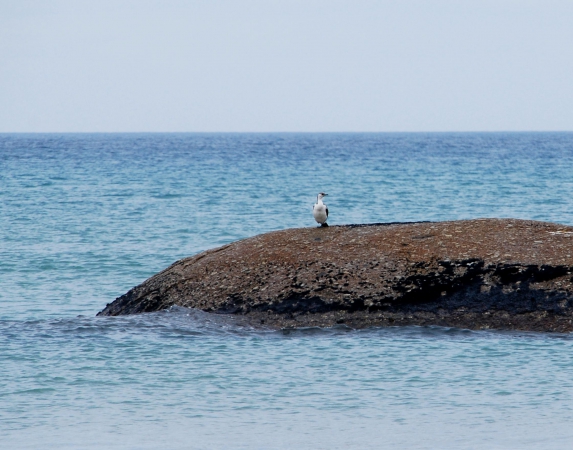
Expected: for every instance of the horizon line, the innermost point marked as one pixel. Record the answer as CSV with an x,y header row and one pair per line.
x,y
284,132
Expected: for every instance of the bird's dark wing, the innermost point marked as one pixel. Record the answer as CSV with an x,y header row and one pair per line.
x,y
327,212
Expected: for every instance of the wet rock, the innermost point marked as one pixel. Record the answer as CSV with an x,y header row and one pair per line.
x,y
479,274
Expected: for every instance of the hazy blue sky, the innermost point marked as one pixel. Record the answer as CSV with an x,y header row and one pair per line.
x,y
216,65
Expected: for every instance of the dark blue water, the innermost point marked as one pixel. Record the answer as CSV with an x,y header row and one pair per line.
x,y
83,218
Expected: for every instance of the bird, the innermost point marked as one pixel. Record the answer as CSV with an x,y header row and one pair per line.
x,y
320,210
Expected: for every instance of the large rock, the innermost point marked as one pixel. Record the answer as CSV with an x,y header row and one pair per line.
x,y
485,273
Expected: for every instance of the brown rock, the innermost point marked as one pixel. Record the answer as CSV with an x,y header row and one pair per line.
x,y
484,273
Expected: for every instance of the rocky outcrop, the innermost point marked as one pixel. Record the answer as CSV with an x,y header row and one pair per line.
x,y
485,273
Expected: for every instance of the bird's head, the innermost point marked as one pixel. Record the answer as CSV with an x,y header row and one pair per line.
x,y
321,195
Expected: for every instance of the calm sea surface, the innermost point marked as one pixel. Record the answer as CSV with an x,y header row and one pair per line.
x,y
83,218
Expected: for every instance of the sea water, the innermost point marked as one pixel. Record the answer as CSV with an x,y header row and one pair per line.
x,y
85,217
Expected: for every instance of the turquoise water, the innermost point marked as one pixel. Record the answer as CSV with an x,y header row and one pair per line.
x,y
83,218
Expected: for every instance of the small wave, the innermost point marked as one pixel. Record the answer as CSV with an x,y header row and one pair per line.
x,y
167,196
179,322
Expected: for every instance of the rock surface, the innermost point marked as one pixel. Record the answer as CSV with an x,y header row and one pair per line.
x,y
477,274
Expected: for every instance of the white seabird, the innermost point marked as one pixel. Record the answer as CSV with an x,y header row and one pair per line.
x,y
320,210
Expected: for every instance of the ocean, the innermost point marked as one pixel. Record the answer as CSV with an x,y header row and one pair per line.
x,y
85,217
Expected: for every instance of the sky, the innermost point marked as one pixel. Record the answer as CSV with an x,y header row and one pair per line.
x,y
272,66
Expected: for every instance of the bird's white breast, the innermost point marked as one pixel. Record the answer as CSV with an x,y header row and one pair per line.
x,y
319,213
